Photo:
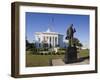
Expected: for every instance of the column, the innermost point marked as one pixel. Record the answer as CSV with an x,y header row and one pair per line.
x,y
53,41
48,41
57,41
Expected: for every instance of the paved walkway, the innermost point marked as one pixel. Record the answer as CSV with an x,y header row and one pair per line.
x,y
56,62
59,62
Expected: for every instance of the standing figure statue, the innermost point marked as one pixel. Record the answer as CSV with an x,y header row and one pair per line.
x,y
71,50
70,35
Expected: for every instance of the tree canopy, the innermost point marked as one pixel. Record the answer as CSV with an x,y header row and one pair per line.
x,y
77,42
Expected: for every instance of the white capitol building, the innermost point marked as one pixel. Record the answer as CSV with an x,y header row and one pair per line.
x,y
51,39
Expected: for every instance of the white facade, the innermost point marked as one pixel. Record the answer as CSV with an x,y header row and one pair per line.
x,y
50,39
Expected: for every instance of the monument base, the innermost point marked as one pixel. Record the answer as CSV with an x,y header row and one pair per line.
x,y
71,55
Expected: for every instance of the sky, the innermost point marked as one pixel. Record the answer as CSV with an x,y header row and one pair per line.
x,y
40,22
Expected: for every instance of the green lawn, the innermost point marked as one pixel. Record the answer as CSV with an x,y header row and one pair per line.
x,y
45,60
84,53
40,60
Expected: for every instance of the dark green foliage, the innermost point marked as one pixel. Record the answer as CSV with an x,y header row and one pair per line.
x,y
31,47
77,42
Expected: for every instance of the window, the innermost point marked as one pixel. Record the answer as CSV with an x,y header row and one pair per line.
x,y
55,40
39,39
50,39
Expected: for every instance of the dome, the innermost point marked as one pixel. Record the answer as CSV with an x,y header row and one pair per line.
x,y
48,30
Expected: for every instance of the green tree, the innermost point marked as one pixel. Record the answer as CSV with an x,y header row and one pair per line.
x,y
77,42
27,43
80,45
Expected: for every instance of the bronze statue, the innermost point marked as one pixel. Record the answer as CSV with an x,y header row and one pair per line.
x,y
70,34
71,50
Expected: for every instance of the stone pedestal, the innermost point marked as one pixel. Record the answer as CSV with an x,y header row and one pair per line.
x,y
71,55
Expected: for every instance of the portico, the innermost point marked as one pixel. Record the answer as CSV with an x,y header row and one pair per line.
x,y
49,39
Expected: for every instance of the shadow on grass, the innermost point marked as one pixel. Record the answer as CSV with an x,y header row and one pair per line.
x,y
78,60
82,59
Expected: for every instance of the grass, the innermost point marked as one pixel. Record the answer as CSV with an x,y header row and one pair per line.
x,y
40,60
84,53
45,60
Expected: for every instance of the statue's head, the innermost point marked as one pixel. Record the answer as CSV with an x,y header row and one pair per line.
x,y
71,25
